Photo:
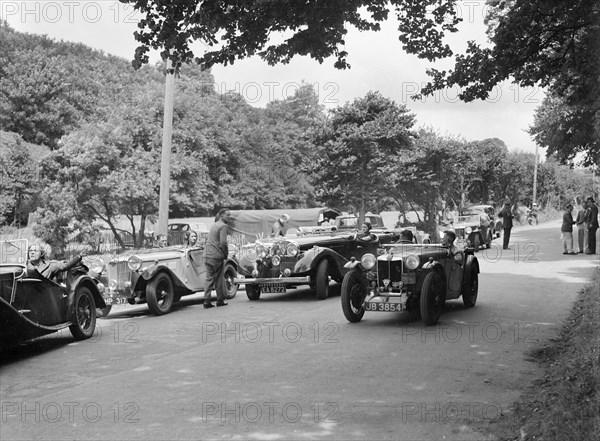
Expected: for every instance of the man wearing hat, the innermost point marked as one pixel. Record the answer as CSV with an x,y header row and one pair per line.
x,y
507,223
591,217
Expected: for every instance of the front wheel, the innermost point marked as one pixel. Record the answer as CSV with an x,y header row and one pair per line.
x,y
322,280
160,294
253,292
230,273
84,314
432,298
471,288
353,296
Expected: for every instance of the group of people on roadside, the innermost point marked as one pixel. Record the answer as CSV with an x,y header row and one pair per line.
x,y
586,222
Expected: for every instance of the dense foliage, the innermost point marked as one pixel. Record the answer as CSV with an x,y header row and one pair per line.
x,y
102,155
554,44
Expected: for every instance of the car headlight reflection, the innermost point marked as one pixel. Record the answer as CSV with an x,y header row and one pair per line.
x,y
468,230
276,260
368,261
411,261
134,263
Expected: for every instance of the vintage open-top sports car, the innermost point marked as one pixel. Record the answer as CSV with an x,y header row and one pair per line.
x,y
470,233
407,277
32,305
161,276
274,265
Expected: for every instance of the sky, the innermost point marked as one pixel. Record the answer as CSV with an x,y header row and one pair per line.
x,y
377,61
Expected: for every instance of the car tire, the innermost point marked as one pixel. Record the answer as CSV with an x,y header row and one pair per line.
x,y
253,292
160,294
432,298
322,280
230,273
471,285
103,313
84,314
353,296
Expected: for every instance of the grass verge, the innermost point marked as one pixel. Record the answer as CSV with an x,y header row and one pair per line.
x,y
564,404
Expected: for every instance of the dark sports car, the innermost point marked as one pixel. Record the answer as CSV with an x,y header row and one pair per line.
x,y
273,265
32,306
407,277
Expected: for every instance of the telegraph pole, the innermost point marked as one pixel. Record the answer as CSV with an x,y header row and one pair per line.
x,y
535,167
165,165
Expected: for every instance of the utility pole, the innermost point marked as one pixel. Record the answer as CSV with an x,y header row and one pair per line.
x,y
535,167
165,165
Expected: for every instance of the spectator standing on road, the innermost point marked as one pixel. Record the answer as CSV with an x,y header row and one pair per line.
x,y
217,250
507,223
582,232
567,230
279,228
592,225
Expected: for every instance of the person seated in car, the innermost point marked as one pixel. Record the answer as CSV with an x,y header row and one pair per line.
x,y
48,269
453,250
365,235
191,238
406,236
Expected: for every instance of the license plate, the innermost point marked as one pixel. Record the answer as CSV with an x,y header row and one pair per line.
x,y
384,307
272,288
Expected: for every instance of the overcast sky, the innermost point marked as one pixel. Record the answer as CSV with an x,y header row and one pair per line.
x,y
377,60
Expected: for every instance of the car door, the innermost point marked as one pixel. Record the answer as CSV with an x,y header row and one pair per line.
x,y
195,270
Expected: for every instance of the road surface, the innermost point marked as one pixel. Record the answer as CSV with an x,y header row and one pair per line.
x,y
290,367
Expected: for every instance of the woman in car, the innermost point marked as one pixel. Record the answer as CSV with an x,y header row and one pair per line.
x,y
365,235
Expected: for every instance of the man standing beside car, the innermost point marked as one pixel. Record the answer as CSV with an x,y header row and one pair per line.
x,y
507,223
217,251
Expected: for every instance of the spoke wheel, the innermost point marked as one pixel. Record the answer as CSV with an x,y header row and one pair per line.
x,y
160,294
85,314
353,296
432,298
229,273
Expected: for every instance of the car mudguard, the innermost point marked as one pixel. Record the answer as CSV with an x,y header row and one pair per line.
x,y
471,264
149,273
308,263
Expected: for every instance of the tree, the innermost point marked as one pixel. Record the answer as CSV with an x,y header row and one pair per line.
x,y
18,179
553,128
553,44
238,29
356,145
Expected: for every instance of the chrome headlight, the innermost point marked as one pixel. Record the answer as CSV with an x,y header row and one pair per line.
x,y
368,261
112,285
134,263
468,230
292,250
411,261
276,260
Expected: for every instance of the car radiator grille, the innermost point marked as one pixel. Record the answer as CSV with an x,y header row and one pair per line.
x,y
390,269
120,272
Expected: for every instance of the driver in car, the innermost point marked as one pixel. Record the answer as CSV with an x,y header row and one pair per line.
x,y
365,234
48,269
453,250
